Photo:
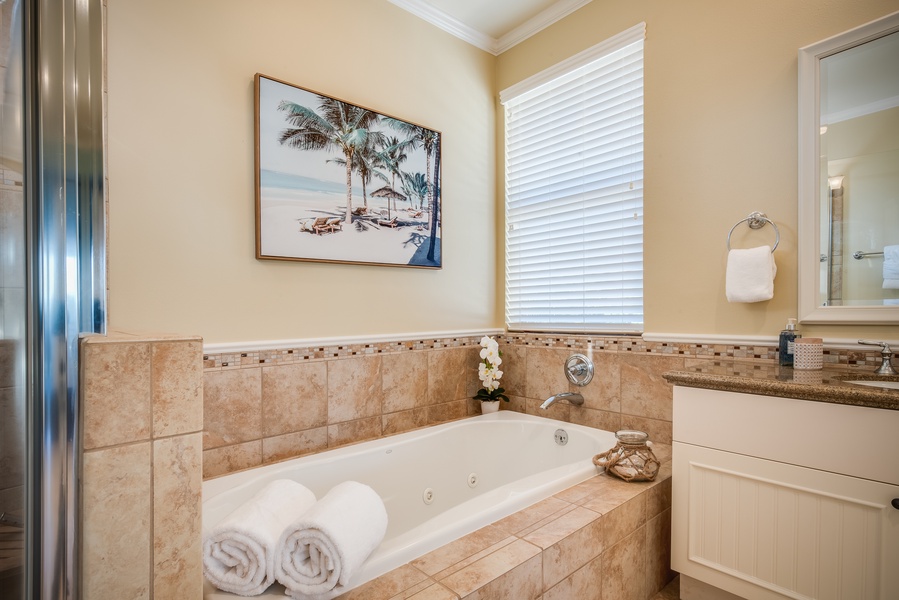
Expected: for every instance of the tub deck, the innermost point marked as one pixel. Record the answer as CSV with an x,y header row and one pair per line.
x,y
602,538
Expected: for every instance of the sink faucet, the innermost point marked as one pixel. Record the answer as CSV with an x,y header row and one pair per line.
x,y
886,367
572,397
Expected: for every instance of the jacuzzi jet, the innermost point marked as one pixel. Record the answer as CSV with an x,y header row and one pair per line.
x,y
428,496
561,437
473,480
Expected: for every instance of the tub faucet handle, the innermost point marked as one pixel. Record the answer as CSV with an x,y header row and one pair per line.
x,y
886,355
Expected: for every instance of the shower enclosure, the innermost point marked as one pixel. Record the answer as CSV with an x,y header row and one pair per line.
x,y
52,279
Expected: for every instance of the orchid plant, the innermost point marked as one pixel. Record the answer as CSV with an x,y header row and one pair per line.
x,y
489,373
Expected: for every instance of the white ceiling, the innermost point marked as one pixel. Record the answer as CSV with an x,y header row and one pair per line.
x,y
492,25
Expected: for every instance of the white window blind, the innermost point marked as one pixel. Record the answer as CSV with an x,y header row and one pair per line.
x,y
574,193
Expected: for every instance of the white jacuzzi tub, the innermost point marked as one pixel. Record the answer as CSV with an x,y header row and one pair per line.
x,y
438,483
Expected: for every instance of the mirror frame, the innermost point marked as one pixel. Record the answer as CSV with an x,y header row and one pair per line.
x,y
810,310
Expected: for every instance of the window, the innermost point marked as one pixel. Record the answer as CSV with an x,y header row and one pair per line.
x,y
574,192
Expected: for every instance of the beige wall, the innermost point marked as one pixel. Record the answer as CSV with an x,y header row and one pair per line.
x,y
721,124
181,167
720,142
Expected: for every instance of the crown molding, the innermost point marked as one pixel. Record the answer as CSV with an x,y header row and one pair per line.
x,y
453,26
438,18
536,24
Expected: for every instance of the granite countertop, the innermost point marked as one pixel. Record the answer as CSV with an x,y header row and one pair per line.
x,y
826,385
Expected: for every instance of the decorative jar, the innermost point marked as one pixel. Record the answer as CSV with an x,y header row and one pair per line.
x,y
632,458
808,354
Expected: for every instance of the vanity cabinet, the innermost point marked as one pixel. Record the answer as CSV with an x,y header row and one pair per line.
x,y
782,498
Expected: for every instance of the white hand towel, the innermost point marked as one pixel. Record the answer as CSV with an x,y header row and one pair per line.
x,y
891,267
750,274
319,553
239,552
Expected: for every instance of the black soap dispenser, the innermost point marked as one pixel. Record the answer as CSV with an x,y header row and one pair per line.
x,y
785,347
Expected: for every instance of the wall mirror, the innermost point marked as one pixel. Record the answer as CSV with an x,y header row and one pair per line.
x,y
849,176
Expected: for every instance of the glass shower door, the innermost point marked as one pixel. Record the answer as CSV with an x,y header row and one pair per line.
x,y
52,284
13,310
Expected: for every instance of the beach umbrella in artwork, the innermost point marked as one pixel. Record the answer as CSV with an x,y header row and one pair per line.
x,y
389,193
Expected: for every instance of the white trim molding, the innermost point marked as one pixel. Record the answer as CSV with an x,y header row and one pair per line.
x,y
453,26
751,340
254,346
705,338
423,10
538,23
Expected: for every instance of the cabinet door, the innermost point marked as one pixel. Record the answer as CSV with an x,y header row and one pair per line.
x,y
767,530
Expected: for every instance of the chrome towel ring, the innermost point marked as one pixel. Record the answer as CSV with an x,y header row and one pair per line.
x,y
757,220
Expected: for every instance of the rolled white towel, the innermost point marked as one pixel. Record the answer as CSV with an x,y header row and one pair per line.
x,y
239,552
750,274
891,267
320,553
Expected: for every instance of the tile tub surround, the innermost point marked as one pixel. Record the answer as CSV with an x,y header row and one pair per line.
x,y
270,405
262,407
141,488
266,406
602,538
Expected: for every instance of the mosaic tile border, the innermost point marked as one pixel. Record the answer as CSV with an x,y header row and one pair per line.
x,y
290,355
612,343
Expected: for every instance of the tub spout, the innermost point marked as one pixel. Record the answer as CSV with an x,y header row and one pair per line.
x,y
572,397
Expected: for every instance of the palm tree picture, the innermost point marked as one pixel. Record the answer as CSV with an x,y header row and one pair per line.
x,y
317,160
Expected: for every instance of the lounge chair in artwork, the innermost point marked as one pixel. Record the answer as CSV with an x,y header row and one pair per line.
x,y
321,226
335,224
385,223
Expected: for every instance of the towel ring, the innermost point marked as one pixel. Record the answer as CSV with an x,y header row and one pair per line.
x,y
757,220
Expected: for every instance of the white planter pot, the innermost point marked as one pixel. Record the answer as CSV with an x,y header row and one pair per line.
x,y
489,407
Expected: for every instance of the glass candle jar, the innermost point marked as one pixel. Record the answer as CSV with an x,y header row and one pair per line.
x,y
632,458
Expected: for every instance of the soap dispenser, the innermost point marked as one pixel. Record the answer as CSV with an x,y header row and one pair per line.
x,y
785,347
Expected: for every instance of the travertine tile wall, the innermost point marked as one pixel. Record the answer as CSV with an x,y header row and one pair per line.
x,y
262,407
142,421
265,406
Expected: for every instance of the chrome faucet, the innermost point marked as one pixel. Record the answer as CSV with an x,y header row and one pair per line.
x,y
886,366
572,397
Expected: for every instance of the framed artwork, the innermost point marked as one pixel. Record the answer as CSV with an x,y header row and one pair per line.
x,y
340,183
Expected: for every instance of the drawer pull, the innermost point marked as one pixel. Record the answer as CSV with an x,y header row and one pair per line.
x,y
895,503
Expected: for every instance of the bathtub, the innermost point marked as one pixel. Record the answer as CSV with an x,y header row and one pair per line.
x,y
437,483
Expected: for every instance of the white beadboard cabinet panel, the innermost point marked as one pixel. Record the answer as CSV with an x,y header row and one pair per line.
x,y
778,510
768,530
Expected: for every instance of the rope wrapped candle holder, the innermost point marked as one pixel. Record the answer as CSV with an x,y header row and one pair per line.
x,y
632,458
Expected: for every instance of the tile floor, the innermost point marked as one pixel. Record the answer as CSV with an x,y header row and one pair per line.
x,y
670,591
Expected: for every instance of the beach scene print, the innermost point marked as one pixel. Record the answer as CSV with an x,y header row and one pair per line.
x,y
338,182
